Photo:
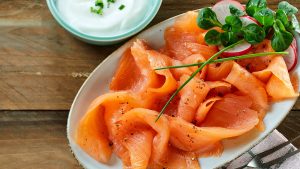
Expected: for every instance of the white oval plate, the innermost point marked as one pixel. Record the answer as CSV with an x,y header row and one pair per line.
x,y
98,83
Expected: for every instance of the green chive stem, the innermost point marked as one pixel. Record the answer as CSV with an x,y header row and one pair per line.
x,y
247,56
194,74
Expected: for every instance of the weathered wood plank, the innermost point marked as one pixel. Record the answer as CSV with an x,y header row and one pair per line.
x,y
42,66
37,139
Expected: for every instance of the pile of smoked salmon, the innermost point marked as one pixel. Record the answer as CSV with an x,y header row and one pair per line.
x,y
224,100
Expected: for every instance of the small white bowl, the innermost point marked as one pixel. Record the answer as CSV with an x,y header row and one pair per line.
x,y
98,40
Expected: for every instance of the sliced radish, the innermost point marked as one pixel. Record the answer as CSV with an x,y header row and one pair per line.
x,y
246,20
292,58
222,9
238,50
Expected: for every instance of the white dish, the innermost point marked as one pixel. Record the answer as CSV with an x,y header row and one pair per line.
x,y
98,83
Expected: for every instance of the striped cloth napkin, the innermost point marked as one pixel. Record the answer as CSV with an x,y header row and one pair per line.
x,y
272,140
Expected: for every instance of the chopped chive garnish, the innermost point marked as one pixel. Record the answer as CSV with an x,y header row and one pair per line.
x,y
109,2
96,11
99,3
247,56
122,7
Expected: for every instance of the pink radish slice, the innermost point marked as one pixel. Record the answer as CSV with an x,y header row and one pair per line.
x,y
222,9
292,58
238,50
246,20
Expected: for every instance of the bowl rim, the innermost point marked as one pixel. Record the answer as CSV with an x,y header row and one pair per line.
x,y
130,32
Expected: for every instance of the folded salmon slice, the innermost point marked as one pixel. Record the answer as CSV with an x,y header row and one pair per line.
x,y
138,118
177,159
195,58
185,38
277,79
218,71
219,124
92,136
218,88
190,97
96,129
251,86
178,72
142,79
159,82
188,23
139,145
128,75
204,108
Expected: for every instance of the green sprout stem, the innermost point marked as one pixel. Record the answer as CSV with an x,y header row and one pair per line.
x,y
194,74
225,59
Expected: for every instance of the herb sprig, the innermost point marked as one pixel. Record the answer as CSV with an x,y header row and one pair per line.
x,y
233,28
279,25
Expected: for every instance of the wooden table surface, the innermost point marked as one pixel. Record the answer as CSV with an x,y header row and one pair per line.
x,y
42,67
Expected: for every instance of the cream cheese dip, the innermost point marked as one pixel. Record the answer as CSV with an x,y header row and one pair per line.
x,y
114,20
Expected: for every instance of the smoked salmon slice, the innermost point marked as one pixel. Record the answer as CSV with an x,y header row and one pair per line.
x,y
96,127
196,58
190,97
123,79
278,82
187,23
258,63
139,145
160,82
204,108
184,39
218,71
189,137
138,118
251,86
224,120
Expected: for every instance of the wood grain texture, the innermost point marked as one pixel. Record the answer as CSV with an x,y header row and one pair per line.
x,y
37,139
42,66
34,140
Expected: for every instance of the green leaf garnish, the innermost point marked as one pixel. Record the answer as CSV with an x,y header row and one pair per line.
x,y
295,23
233,23
253,6
281,15
287,8
228,38
212,37
207,19
235,11
253,33
265,17
281,39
